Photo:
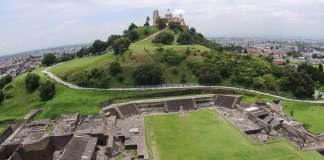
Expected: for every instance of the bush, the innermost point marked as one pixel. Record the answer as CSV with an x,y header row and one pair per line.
x,y
98,46
83,52
185,38
171,58
2,97
208,75
133,35
112,38
148,74
115,68
164,38
32,82
175,26
49,59
47,91
162,24
121,45
131,27
66,57
5,80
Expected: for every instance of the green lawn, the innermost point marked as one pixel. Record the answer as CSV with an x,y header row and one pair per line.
x,y
204,135
85,63
66,100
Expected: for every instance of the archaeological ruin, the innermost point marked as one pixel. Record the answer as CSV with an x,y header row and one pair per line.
x,y
120,128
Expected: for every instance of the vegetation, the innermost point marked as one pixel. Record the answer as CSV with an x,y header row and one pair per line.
x,y
5,80
120,45
193,59
205,135
49,59
115,68
47,91
31,82
164,38
98,46
133,36
2,97
148,74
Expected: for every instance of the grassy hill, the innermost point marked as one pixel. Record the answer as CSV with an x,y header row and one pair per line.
x,y
193,60
139,53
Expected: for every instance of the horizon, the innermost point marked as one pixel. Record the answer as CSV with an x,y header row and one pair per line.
x,y
37,24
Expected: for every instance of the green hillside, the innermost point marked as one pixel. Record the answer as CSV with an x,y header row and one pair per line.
x,y
178,55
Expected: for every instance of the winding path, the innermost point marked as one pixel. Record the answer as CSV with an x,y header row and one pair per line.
x,y
73,86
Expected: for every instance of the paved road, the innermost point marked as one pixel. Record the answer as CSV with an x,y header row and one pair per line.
x,y
72,86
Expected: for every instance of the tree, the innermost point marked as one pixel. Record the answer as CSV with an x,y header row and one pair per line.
x,y
175,26
47,91
147,23
2,97
185,38
32,82
112,38
99,46
120,45
133,36
300,84
162,24
171,58
148,74
131,27
164,38
5,80
66,57
209,75
115,68
82,52
320,68
49,59
192,31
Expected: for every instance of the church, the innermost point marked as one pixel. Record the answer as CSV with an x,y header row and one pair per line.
x,y
168,17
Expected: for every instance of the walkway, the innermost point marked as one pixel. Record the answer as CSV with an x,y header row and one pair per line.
x,y
165,87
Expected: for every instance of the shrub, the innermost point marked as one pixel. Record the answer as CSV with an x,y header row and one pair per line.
x,y
131,27
32,82
98,46
115,68
171,58
175,26
5,80
164,38
120,45
2,97
133,35
120,79
185,38
208,75
49,59
47,91
148,74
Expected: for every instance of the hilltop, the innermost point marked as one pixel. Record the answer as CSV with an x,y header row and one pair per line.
x,y
189,58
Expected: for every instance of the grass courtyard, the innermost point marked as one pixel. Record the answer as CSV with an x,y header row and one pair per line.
x,y
205,135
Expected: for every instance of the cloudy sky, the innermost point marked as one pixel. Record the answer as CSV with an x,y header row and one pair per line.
x,y
35,24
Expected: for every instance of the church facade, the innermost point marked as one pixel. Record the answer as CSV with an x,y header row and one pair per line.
x,y
168,17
